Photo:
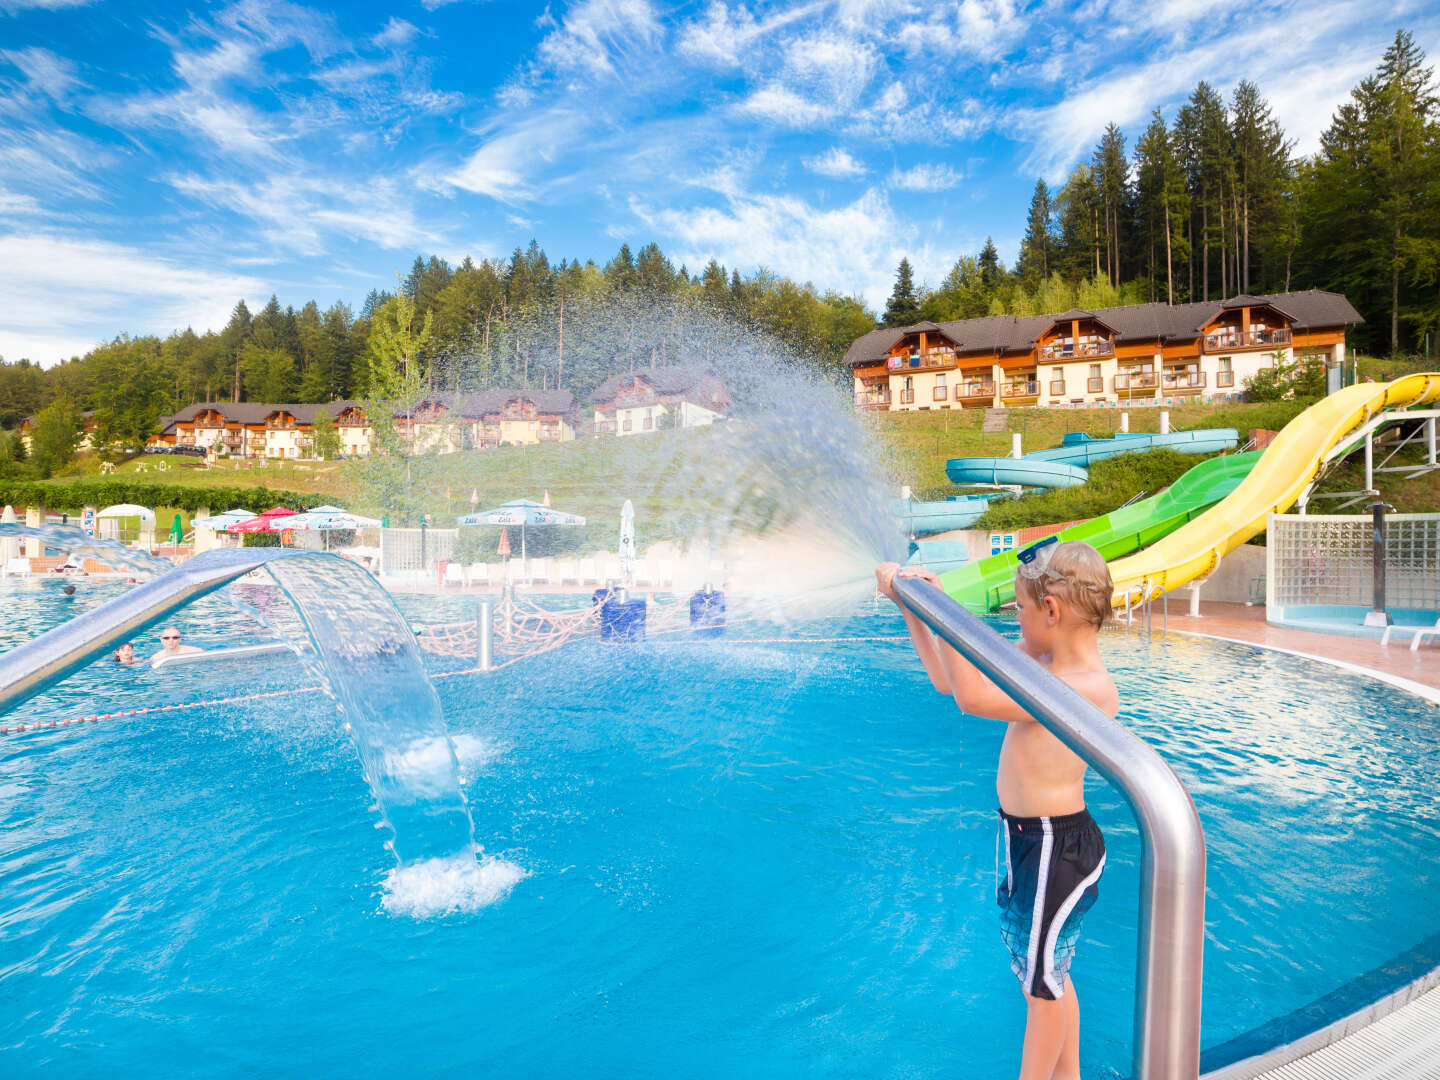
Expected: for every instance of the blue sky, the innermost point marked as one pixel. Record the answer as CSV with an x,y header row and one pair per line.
x,y
158,161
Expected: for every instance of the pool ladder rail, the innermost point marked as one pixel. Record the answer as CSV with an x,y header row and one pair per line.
x,y
1172,843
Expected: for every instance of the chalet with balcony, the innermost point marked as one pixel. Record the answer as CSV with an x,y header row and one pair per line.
x,y
448,422
441,422
659,398
87,432
1140,353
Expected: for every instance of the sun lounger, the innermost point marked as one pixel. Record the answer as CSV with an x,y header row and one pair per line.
x,y
567,571
589,572
18,567
539,571
479,573
1418,634
455,574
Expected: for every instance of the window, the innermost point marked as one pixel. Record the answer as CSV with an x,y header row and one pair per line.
x,y
1226,375
627,425
1057,386
1096,383
649,424
939,394
907,395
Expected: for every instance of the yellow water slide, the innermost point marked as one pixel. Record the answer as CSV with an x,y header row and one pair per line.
x,y
1273,485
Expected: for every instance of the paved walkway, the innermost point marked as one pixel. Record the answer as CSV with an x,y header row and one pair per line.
x,y
1244,623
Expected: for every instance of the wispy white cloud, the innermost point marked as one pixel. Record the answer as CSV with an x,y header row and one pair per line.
x,y
396,34
778,104
926,176
852,248
602,37
47,74
836,162
92,288
14,7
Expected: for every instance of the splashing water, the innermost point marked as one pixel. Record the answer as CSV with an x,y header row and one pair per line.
x,y
74,541
791,491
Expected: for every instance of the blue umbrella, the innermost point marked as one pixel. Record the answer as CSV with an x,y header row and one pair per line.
x,y
525,513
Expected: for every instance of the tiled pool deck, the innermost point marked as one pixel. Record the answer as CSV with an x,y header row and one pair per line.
x,y
1397,1038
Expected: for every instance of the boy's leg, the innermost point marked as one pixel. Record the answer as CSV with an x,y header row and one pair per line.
x,y
1045,1031
1068,1067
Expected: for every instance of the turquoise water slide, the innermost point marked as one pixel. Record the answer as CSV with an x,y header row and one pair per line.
x,y
989,583
955,512
1064,465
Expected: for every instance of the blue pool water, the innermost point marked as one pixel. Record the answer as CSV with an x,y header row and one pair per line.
x,y
742,857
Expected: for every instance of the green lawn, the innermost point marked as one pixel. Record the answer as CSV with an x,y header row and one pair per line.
x,y
685,483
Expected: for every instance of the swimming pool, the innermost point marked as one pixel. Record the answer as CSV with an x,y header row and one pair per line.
x,y
744,856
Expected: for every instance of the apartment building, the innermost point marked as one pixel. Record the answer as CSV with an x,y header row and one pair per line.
x,y
657,398
1137,354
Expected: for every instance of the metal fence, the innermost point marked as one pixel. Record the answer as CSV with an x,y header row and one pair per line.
x,y
413,550
1329,560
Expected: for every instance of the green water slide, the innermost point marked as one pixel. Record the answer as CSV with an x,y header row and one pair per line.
x,y
990,583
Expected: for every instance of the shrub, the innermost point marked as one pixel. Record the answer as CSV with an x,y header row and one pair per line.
x,y
73,496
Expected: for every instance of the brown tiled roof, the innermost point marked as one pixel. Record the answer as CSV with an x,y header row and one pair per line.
x,y
682,381
473,406
1307,310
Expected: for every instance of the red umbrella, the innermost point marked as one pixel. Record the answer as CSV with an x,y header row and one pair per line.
x,y
504,548
264,523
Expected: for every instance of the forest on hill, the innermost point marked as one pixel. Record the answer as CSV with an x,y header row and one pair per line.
x,y
1211,203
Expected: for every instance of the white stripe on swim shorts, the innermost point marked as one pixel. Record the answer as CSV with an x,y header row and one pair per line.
x,y
1037,916
1060,916
1009,865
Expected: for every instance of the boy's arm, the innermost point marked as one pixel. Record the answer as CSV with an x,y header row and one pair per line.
x,y
927,646
950,672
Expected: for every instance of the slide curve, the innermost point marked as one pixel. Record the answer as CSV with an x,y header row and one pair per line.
x,y
1272,487
990,583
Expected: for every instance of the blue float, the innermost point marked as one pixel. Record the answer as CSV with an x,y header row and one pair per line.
x,y
707,612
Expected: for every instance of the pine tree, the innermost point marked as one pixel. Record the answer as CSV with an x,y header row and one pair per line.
x,y
1034,262
903,308
1112,180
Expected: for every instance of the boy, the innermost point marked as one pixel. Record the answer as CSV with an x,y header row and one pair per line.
x,y
1054,853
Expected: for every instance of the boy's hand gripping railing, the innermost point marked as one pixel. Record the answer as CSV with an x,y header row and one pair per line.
x,y
1172,851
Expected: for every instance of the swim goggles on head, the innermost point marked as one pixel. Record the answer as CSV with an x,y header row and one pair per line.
x,y
1035,565
1035,560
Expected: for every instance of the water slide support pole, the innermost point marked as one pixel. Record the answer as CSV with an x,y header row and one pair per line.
x,y
1171,928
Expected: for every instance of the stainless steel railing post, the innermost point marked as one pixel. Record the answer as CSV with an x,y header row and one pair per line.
x,y
1172,849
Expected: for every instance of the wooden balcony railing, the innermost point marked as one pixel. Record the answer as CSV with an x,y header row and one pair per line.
x,y
1137,381
975,391
929,361
1183,380
1224,378
1067,351
1095,385
1250,339
1018,388
872,401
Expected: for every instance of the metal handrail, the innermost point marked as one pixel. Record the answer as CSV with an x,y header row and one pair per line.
x,y
1172,848
29,669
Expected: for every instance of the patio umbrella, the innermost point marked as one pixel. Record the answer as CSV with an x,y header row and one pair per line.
x,y
222,522
124,510
474,497
326,519
523,512
176,532
504,548
266,522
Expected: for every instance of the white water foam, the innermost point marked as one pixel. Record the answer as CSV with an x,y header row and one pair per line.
x,y
459,884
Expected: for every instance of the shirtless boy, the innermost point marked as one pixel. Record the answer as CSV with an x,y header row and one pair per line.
x,y
1054,853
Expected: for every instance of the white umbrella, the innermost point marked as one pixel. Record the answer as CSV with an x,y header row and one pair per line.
x,y
522,512
327,519
127,510
9,549
221,522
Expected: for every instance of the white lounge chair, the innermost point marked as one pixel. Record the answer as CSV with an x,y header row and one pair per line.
x,y
539,571
640,571
567,571
455,575
17,567
1418,634
589,573
664,573
478,573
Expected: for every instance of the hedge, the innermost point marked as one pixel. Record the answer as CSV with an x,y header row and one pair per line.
x,y
70,497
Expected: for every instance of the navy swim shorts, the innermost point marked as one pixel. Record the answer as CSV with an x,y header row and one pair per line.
x,y
1050,878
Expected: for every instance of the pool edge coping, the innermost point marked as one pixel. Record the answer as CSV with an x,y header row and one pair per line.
x,y
1258,1064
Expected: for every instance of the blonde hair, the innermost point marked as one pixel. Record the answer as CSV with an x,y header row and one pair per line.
x,y
1077,575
